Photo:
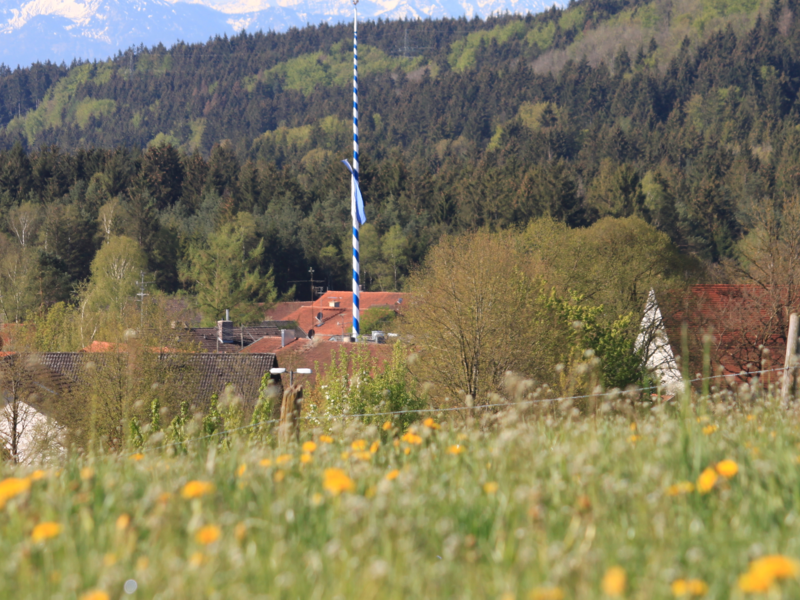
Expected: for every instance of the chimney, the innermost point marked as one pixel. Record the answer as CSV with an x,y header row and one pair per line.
x,y
225,331
287,335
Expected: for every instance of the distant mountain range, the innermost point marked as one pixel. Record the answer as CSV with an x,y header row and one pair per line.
x,y
63,30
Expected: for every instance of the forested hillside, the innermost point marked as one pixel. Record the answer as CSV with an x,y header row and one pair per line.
x,y
681,112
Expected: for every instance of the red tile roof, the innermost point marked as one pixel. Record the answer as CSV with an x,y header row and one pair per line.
x,y
742,319
267,344
281,310
337,310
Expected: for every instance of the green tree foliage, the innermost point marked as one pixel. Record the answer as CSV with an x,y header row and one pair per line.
x,y
225,273
115,270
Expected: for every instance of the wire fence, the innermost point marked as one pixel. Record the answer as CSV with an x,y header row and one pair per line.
x,y
615,392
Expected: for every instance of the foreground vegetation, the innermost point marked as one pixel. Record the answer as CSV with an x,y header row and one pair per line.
x,y
543,501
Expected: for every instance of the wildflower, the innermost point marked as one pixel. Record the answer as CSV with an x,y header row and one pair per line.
x,y
305,458
123,521
689,587
337,481
634,438
345,455
406,451
137,457
142,563
359,445
633,427
196,489
240,531
387,426
680,488
393,474
164,497
87,473
547,593
754,583
95,595
727,468
109,559
614,581
751,417
283,459
241,470
709,429
490,487
374,447
37,475
265,462
309,447
411,438
13,486
316,499
278,476
362,455
197,559
208,535
431,424
706,481
764,571
455,449
326,439
45,531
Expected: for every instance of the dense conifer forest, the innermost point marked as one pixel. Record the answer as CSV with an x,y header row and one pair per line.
x,y
682,113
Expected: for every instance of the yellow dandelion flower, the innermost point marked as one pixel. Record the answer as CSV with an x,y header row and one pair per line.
x,y
87,473
359,445
317,499
240,531
208,535
278,476
123,521
305,458
393,474
365,455
241,470
776,566
283,459
709,429
95,595
431,424
751,417
109,559
326,439
680,488
406,451
387,426
689,587
727,468
136,457
491,487
411,438
345,455
45,531
197,559
755,583
197,489
614,581
455,449
707,480
11,487
265,462
309,447
547,593
337,481
634,438
633,426
374,447
37,475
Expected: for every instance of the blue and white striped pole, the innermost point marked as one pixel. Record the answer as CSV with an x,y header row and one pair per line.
x,y
354,183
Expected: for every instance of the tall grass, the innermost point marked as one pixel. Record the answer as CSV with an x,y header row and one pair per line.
x,y
500,505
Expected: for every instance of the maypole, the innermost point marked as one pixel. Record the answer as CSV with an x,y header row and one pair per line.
x,y
356,201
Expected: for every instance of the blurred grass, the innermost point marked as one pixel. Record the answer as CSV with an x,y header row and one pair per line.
x,y
575,495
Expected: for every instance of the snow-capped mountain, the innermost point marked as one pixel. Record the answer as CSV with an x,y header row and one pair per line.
x,y
63,30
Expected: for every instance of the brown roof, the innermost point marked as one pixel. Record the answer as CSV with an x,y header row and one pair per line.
x,y
318,354
743,320
271,344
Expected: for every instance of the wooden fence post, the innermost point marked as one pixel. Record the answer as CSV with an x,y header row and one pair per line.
x,y
790,364
291,407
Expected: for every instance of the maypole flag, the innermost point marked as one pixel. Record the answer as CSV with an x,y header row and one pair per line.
x,y
360,215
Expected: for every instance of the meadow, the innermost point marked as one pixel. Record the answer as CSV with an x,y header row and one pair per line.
x,y
686,498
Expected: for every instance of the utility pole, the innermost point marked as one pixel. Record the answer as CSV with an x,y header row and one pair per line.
x,y
790,364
